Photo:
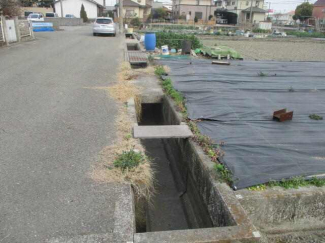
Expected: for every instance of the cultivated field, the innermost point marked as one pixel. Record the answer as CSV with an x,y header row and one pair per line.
x,y
281,49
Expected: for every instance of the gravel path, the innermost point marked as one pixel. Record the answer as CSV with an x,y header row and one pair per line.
x,y
280,50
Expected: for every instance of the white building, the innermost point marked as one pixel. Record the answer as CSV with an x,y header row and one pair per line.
x,y
243,9
239,11
93,8
283,18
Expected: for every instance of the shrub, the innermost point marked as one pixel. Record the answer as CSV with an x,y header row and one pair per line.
x,y
135,22
129,159
196,19
258,30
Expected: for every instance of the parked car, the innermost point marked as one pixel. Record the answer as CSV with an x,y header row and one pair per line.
x,y
35,17
104,25
51,15
70,16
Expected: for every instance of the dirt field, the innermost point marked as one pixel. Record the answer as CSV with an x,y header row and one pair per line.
x,y
274,49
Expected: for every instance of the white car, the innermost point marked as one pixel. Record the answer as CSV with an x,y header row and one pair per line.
x,y
104,25
35,17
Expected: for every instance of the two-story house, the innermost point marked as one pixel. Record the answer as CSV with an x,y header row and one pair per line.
x,y
244,8
136,9
319,9
189,9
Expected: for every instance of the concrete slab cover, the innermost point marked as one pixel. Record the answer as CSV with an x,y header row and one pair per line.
x,y
170,131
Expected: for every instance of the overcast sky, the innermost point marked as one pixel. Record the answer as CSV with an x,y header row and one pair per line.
x,y
283,6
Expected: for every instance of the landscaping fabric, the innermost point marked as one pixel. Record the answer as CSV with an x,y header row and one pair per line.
x,y
223,51
235,104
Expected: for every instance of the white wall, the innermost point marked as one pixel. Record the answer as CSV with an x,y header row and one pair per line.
x,y
74,7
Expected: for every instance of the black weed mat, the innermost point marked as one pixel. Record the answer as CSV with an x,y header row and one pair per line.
x,y
235,104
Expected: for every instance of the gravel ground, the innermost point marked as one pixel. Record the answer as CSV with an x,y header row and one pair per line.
x,y
276,49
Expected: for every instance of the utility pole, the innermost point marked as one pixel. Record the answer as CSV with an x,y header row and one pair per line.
x,y
61,8
121,16
251,13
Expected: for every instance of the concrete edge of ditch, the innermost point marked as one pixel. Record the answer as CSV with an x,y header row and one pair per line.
x,y
275,206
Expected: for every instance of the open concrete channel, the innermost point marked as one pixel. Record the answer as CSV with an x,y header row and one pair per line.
x,y
191,205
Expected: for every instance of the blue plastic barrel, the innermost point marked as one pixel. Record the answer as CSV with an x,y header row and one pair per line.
x,y
150,41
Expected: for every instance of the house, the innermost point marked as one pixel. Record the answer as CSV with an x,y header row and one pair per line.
x,y
136,9
161,5
189,9
244,8
283,18
93,8
319,9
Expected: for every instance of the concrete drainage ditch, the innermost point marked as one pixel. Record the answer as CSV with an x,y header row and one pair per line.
x,y
189,205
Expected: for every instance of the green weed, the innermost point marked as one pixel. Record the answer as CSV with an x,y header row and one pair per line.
x,y
315,117
296,182
261,74
260,187
159,71
129,160
224,172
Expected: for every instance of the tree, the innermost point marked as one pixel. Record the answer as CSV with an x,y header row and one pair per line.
x,y
9,8
303,11
83,14
160,13
38,3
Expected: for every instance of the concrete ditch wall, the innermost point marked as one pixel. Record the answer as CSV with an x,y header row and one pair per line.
x,y
57,22
293,215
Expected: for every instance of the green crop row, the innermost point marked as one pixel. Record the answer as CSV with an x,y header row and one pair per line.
x,y
174,40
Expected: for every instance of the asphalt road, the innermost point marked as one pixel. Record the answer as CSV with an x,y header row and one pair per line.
x,y
52,128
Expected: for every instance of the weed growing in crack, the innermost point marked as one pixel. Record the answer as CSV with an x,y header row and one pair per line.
x,y
129,160
225,173
292,183
159,71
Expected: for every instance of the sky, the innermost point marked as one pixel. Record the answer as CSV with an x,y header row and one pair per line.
x,y
282,6
285,6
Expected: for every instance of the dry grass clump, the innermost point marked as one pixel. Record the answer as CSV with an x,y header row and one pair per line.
x,y
141,176
124,89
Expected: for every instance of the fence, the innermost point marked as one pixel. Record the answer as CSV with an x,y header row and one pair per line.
x,y
25,28
14,30
2,35
320,25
